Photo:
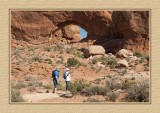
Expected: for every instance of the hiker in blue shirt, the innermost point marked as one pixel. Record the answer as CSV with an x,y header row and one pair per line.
x,y
55,77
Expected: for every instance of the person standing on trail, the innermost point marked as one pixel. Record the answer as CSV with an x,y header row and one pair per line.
x,y
55,78
67,78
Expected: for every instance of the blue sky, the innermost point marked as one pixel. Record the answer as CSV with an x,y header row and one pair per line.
x,y
83,33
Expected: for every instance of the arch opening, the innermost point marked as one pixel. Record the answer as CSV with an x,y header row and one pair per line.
x,y
83,33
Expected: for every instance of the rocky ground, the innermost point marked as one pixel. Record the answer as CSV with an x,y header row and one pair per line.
x,y
120,77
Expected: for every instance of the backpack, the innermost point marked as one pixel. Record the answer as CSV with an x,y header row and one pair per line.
x,y
64,75
54,73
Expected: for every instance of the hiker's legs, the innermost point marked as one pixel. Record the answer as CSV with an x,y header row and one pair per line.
x,y
67,86
55,85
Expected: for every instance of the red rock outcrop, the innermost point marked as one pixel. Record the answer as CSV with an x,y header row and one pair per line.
x,y
113,30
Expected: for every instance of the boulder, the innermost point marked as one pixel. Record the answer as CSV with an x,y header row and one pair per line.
x,y
134,58
94,50
123,63
97,56
123,53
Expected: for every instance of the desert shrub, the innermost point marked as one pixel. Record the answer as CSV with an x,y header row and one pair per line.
x,y
92,100
13,72
81,49
15,96
69,50
48,86
37,58
33,82
138,54
112,96
109,61
16,52
78,54
29,77
138,92
59,62
95,60
49,61
78,86
31,48
73,62
31,88
95,90
48,49
39,84
59,47
20,85
126,84
113,85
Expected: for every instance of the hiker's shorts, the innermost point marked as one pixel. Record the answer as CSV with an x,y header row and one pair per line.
x,y
67,85
55,82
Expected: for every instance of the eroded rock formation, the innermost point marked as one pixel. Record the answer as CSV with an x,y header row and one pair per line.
x,y
113,30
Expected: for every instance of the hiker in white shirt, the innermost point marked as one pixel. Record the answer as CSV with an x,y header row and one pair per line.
x,y
68,79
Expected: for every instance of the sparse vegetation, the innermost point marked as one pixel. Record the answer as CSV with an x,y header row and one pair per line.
x,y
78,86
73,62
69,50
111,96
15,96
108,61
48,49
95,90
126,84
92,100
49,61
31,88
138,54
138,92
48,86
20,85
59,47
37,58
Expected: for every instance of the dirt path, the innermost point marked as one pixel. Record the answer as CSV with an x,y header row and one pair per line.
x,y
39,96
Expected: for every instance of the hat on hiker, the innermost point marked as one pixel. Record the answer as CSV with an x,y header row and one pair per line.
x,y
67,69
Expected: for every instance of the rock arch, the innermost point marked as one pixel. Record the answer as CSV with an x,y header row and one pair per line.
x,y
112,29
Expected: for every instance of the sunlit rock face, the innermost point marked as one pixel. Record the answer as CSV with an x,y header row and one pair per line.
x,y
113,30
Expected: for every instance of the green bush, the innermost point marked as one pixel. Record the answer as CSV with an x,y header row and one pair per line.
x,y
112,96
73,62
138,54
39,84
31,88
69,50
15,96
20,85
138,92
92,100
29,77
113,85
126,84
48,49
109,61
78,54
95,60
59,47
78,86
95,90
37,58
49,61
